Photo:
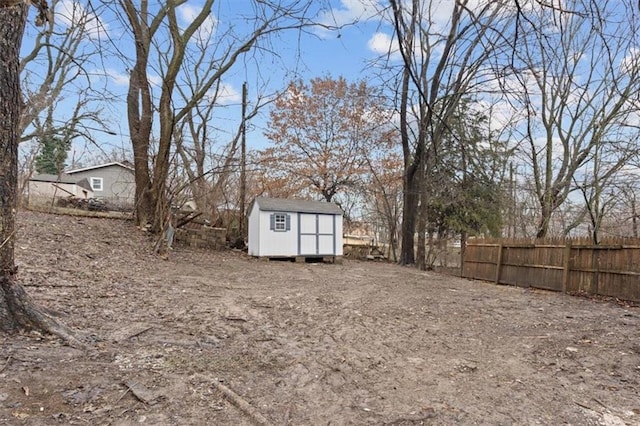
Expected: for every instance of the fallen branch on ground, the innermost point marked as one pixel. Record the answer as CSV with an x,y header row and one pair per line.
x,y
130,331
240,403
6,364
50,285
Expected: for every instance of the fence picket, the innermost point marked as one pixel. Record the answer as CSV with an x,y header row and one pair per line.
x,y
572,265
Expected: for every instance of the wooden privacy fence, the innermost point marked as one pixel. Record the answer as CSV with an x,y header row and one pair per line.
x,y
611,268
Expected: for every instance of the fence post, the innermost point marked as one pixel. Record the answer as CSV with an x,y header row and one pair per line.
x,y
595,265
499,264
566,266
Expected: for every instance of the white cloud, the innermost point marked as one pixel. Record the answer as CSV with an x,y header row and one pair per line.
x,y
70,13
382,44
351,11
436,15
348,13
155,80
188,13
226,95
119,78
122,78
631,63
499,112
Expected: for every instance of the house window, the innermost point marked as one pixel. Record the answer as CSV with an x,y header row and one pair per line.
x,y
280,222
96,184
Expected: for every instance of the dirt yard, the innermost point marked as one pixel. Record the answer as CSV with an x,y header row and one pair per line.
x,y
219,338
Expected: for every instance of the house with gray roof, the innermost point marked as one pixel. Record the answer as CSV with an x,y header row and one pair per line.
x,y
111,182
300,229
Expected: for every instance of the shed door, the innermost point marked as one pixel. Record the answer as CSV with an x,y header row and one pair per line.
x,y
317,234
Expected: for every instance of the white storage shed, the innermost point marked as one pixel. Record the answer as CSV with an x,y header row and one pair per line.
x,y
294,228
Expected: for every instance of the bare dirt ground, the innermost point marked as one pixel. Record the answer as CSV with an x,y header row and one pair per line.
x,y
221,338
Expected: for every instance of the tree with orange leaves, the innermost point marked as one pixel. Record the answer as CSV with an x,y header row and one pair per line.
x,y
320,132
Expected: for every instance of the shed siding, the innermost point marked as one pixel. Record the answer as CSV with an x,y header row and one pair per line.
x,y
307,223
338,236
254,232
307,245
308,233
273,243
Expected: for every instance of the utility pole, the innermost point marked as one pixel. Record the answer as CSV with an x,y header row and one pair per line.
x,y
243,160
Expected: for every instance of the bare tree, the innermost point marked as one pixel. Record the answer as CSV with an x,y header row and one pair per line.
x,y
157,33
17,310
61,102
208,162
382,189
598,188
629,206
58,69
443,61
582,75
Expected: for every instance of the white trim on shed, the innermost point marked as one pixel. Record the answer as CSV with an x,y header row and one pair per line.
x,y
290,228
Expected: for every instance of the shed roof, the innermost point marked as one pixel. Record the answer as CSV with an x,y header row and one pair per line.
x,y
303,206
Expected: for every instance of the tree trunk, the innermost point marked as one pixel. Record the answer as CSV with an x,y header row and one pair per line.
x,y
409,183
421,227
409,216
17,311
140,111
424,176
392,222
545,219
140,118
12,23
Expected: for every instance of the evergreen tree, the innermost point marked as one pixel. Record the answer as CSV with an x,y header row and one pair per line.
x,y
465,195
52,156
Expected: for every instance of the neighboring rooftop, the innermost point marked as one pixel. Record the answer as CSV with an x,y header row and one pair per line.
x,y
101,166
63,178
46,177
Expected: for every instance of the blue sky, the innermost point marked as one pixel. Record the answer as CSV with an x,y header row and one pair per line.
x,y
317,53
314,53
